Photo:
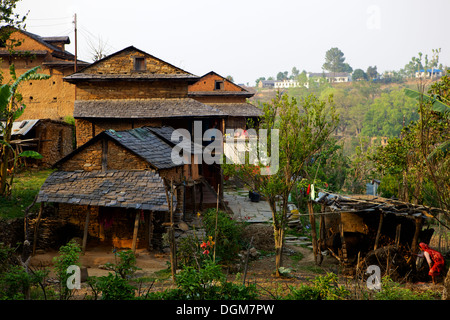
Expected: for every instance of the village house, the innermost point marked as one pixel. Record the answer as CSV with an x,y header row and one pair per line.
x,y
117,178
216,91
332,77
50,99
53,139
130,89
41,127
126,109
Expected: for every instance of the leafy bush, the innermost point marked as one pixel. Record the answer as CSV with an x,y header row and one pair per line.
x,y
15,281
126,266
111,287
69,254
391,290
323,288
115,286
206,283
228,240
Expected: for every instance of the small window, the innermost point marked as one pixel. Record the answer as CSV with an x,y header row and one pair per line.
x,y
139,64
218,85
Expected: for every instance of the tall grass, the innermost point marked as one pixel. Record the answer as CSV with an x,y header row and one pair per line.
x,y
25,188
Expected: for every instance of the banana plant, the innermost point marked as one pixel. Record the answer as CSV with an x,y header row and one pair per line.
x,y
11,108
438,102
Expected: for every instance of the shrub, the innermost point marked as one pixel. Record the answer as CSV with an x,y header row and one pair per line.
x,y
391,290
126,266
206,283
323,288
69,254
228,240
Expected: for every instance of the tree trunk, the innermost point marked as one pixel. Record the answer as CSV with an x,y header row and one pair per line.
x,y
446,292
279,243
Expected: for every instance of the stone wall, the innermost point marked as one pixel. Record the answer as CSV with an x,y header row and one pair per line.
x,y
87,129
90,159
132,89
56,141
123,63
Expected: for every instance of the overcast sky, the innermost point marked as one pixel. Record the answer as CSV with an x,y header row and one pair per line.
x,y
251,38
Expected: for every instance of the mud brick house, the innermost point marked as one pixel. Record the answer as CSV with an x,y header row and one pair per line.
x,y
118,178
131,89
220,93
50,99
53,139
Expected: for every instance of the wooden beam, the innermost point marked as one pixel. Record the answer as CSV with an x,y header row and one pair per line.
x,y
377,238
86,229
312,221
36,226
135,231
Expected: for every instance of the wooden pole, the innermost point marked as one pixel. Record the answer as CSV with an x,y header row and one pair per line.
x,y
397,235
86,229
173,262
377,238
217,217
312,221
135,231
344,245
36,226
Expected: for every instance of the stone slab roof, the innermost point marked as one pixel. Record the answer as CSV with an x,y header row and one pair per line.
x,y
238,109
125,189
143,108
166,132
145,144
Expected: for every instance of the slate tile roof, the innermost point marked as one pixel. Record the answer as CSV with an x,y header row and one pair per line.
x,y
125,189
166,134
238,109
143,108
145,144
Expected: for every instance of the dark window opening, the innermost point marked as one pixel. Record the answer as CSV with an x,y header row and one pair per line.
x,y
139,63
218,85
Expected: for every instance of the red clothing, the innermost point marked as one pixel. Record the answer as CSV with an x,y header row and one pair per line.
x,y
436,257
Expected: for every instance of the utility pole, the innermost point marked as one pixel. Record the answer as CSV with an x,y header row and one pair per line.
x,y
75,23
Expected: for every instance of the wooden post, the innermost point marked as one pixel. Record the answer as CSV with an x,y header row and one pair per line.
x,y
397,235
86,229
173,262
36,226
344,245
217,217
378,231
150,229
415,241
312,221
135,231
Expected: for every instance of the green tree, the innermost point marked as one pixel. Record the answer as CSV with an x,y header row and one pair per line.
x,y
335,61
302,129
372,72
359,74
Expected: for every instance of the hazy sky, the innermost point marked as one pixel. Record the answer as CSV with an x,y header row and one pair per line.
x,y
251,38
